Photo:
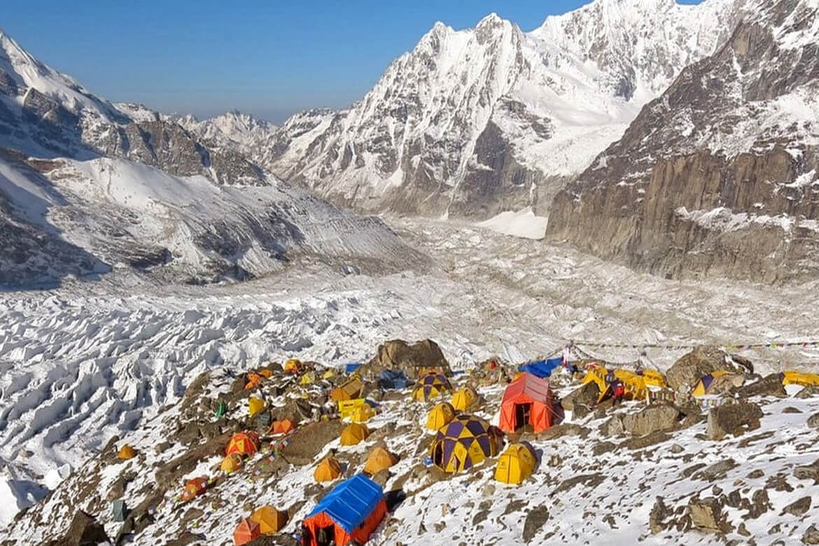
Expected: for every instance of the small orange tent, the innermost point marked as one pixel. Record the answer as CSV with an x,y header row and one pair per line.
x,y
328,470
231,463
527,401
282,427
244,443
254,381
354,433
127,452
246,531
378,460
269,519
194,488
348,391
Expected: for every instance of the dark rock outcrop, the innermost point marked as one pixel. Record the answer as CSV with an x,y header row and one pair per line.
x,y
700,184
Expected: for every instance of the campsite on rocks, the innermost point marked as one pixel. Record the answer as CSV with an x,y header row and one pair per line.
x,y
542,276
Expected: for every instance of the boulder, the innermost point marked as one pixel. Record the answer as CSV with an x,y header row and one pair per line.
x,y
811,536
613,427
813,421
798,508
535,520
308,441
655,418
83,531
659,513
770,385
399,355
733,419
808,392
707,515
582,400
686,371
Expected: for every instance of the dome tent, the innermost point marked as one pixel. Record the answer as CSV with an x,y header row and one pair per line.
x,y
463,443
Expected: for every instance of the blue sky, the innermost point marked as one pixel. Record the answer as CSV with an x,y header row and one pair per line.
x,y
266,57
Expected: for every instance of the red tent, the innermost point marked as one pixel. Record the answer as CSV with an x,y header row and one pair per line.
x,y
527,401
247,531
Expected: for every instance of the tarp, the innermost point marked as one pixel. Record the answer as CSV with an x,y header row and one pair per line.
x,y
542,368
533,392
392,379
350,502
352,367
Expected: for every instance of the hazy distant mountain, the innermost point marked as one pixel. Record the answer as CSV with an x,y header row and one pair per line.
x,y
87,186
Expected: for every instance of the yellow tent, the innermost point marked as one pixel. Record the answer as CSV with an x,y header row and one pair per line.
x,y
353,434
516,463
328,470
292,365
464,398
126,452
378,460
440,415
269,519
329,374
348,391
266,373
702,386
792,377
634,384
597,375
362,414
465,441
305,379
254,406
231,463
430,386
653,378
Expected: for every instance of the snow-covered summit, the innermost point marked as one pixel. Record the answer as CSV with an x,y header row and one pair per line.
x,y
476,121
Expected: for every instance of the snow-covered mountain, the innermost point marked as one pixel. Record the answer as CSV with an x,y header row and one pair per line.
x,y
87,186
719,174
476,121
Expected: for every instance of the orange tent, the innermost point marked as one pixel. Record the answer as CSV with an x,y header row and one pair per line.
x,y
269,519
282,427
328,470
246,531
194,488
244,443
527,401
127,452
378,460
254,381
231,463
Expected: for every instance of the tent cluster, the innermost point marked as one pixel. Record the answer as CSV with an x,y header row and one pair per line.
x,y
624,384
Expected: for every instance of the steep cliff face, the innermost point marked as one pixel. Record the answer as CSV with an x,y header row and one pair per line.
x,y
719,175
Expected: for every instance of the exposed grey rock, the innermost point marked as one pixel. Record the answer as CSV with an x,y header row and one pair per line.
x,y
707,515
654,418
642,203
798,508
685,372
534,521
733,419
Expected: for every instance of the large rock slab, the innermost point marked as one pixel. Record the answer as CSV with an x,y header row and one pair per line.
x,y
733,419
685,372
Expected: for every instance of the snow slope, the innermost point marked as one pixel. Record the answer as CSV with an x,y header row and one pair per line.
x,y
89,361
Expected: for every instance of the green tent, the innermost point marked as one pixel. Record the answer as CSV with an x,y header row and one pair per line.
x,y
119,511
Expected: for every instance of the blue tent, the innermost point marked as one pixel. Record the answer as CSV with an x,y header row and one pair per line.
x,y
350,368
392,379
350,502
542,368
